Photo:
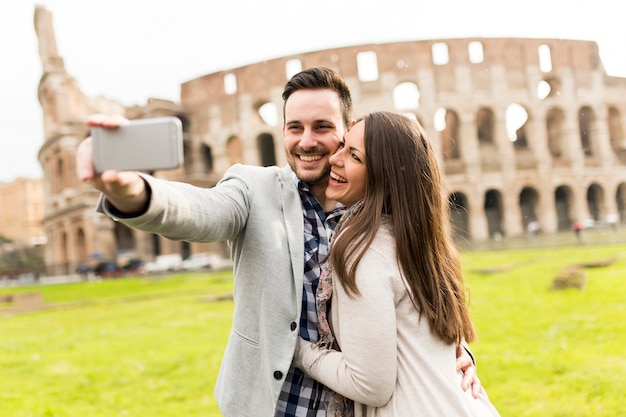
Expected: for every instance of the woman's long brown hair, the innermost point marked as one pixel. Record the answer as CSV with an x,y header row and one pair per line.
x,y
403,183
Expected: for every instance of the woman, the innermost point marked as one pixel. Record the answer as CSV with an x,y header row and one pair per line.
x,y
398,308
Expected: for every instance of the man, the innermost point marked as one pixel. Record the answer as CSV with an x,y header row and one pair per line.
x,y
277,221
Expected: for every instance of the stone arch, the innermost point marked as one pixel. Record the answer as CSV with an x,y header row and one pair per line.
x,y
406,96
554,127
493,207
528,204
185,249
485,123
586,126
81,246
65,252
620,199
187,158
459,215
448,124
267,113
156,244
563,202
265,146
184,120
124,238
516,119
234,150
616,134
595,202
206,156
549,87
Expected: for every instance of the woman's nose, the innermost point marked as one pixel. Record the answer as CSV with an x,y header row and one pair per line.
x,y
335,158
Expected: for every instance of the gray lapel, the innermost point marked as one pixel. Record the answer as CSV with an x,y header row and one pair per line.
x,y
294,222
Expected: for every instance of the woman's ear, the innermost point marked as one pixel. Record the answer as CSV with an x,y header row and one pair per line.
x,y
352,123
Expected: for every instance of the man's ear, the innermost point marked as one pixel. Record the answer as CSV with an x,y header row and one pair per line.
x,y
352,123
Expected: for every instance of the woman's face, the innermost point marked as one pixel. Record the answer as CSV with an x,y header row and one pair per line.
x,y
347,168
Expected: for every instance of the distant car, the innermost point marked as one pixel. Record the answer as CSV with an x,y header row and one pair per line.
x,y
83,269
133,266
198,261
164,263
107,269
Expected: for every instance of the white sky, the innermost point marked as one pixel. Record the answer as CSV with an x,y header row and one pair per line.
x,y
131,50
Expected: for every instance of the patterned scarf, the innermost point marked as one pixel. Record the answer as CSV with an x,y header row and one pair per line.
x,y
343,407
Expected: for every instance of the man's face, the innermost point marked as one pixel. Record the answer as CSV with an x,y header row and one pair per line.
x,y
313,129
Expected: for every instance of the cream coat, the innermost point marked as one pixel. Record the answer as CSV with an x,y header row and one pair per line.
x,y
391,363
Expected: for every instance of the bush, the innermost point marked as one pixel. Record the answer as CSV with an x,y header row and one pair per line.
x,y
573,276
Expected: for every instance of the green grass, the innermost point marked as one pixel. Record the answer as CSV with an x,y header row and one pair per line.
x,y
151,347
141,347
550,353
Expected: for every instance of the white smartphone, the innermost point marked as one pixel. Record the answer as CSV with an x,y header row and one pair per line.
x,y
140,145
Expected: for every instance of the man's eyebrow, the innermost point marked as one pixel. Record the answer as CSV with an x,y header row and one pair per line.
x,y
326,121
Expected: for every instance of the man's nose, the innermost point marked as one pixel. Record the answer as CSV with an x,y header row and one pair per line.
x,y
308,139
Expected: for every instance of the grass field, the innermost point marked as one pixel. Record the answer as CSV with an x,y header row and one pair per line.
x,y
151,347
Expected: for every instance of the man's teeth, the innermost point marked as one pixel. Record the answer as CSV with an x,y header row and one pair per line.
x,y
337,177
310,158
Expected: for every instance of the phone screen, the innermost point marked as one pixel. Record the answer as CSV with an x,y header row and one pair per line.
x,y
141,145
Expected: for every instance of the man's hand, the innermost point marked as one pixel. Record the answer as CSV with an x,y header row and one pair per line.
x,y
470,378
125,190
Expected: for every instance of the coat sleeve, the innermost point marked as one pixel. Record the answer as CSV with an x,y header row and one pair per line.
x,y
180,211
366,367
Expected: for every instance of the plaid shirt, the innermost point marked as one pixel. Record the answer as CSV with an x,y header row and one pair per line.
x,y
302,396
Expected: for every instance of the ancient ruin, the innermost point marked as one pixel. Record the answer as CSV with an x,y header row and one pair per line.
x,y
529,133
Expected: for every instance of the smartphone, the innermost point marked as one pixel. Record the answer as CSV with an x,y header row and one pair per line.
x,y
140,145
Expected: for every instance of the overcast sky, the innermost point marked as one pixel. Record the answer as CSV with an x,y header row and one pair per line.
x,y
131,50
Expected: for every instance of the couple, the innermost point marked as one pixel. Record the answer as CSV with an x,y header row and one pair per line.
x,y
396,305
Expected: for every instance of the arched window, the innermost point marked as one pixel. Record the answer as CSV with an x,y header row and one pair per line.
x,y
265,144
493,213
447,123
475,52
545,58
516,118
367,66
406,96
554,127
459,215
586,122
485,121
234,150
268,113
440,53
616,134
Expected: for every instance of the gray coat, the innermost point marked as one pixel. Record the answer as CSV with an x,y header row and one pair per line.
x,y
259,211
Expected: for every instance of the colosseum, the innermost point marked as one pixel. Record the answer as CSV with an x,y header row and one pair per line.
x,y
529,133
